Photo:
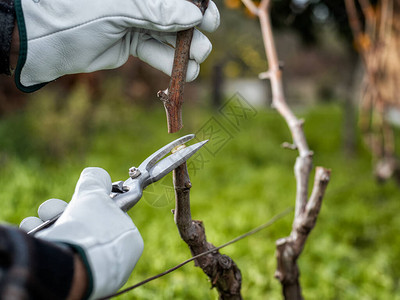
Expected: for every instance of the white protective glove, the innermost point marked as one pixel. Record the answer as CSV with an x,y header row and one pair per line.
x,y
71,36
110,241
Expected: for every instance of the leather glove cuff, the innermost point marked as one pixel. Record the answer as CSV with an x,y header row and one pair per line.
x,y
23,50
7,19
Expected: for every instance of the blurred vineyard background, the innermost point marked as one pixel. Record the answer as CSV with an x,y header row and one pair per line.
x,y
113,119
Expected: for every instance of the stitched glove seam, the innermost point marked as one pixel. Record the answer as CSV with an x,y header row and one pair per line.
x,y
102,244
162,27
86,247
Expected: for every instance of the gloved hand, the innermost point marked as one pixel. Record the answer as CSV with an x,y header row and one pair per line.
x,y
105,236
69,36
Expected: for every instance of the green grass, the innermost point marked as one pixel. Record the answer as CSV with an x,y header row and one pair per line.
x,y
351,254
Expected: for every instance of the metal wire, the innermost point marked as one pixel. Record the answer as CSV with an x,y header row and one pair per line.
x,y
249,233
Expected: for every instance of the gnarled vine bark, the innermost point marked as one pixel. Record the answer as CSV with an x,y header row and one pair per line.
x,y
221,269
289,249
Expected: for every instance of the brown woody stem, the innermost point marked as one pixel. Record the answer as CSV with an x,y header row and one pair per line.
x,y
220,269
173,96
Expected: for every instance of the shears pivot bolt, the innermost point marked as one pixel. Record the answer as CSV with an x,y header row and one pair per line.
x,y
134,172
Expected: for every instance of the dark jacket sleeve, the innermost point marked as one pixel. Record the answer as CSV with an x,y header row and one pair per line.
x,y
31,268
7,19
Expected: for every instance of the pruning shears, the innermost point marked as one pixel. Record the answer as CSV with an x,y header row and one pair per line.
x,y
127,193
